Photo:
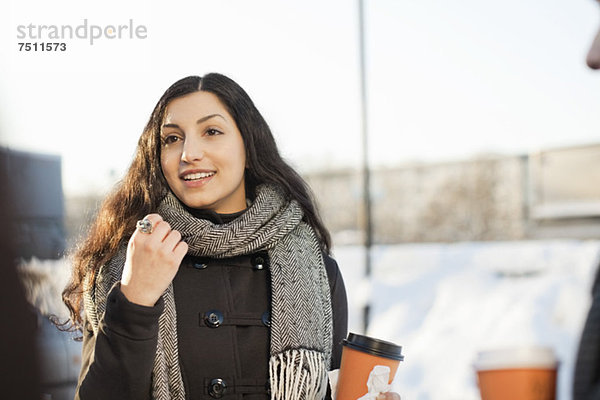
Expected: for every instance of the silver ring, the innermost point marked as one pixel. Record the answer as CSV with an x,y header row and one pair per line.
x,y
144,225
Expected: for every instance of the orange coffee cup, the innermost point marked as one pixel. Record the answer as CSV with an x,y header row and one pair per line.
x,y
360,354
521,373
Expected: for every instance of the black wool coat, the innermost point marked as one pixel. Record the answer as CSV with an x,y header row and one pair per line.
x,y
223,333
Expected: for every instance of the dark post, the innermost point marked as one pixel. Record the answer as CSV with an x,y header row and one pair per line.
x,y
365,153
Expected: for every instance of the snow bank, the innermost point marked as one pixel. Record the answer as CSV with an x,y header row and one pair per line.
x,y
445,302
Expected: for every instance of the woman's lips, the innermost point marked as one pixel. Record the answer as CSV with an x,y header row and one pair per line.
x,y
197,175
196,179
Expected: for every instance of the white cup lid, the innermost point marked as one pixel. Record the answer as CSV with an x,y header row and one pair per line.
x,y
516,357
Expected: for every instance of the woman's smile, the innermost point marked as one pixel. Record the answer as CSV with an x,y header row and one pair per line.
x,y
195,178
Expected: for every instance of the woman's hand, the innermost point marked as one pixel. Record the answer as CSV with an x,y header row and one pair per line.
x,y
152,262
388,396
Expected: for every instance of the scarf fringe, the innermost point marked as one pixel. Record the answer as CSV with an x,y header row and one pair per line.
x,y
298,375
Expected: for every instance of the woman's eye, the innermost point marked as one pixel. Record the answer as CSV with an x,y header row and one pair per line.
x,y
213,132
170,139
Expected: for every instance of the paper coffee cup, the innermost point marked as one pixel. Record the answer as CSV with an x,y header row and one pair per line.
x,y
360,354
519,373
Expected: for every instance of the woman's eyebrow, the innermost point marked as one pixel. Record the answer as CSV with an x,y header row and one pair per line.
x,y
201,120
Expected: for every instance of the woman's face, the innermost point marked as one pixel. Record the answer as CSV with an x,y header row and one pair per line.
x,y
202,154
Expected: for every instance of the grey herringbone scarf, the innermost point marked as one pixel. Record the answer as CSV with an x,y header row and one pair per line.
x,y
301,315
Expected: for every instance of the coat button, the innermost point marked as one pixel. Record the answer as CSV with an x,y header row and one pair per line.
x,y
259,261
213,318
266,319
199,265
217,388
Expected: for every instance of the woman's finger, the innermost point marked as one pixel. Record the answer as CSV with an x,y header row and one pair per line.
x,y
153,218
388,396
172,239
160,232
156,229
147,224
180,250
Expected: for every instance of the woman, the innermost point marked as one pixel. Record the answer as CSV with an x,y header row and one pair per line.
x,y
225,289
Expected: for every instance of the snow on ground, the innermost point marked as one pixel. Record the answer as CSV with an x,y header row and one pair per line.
x,y
445,302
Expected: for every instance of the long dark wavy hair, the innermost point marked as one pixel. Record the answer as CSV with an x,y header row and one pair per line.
x,y
144,186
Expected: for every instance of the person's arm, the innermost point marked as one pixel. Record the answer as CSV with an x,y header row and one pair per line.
x,y
117,362
586,378
339,305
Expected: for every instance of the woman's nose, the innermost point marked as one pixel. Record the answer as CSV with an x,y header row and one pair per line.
x,y
192,150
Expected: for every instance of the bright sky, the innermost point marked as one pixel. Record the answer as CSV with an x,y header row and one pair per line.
x,y
447,80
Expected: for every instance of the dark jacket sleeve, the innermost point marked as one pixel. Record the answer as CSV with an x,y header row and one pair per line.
x,y
586,379
117,362
339,304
